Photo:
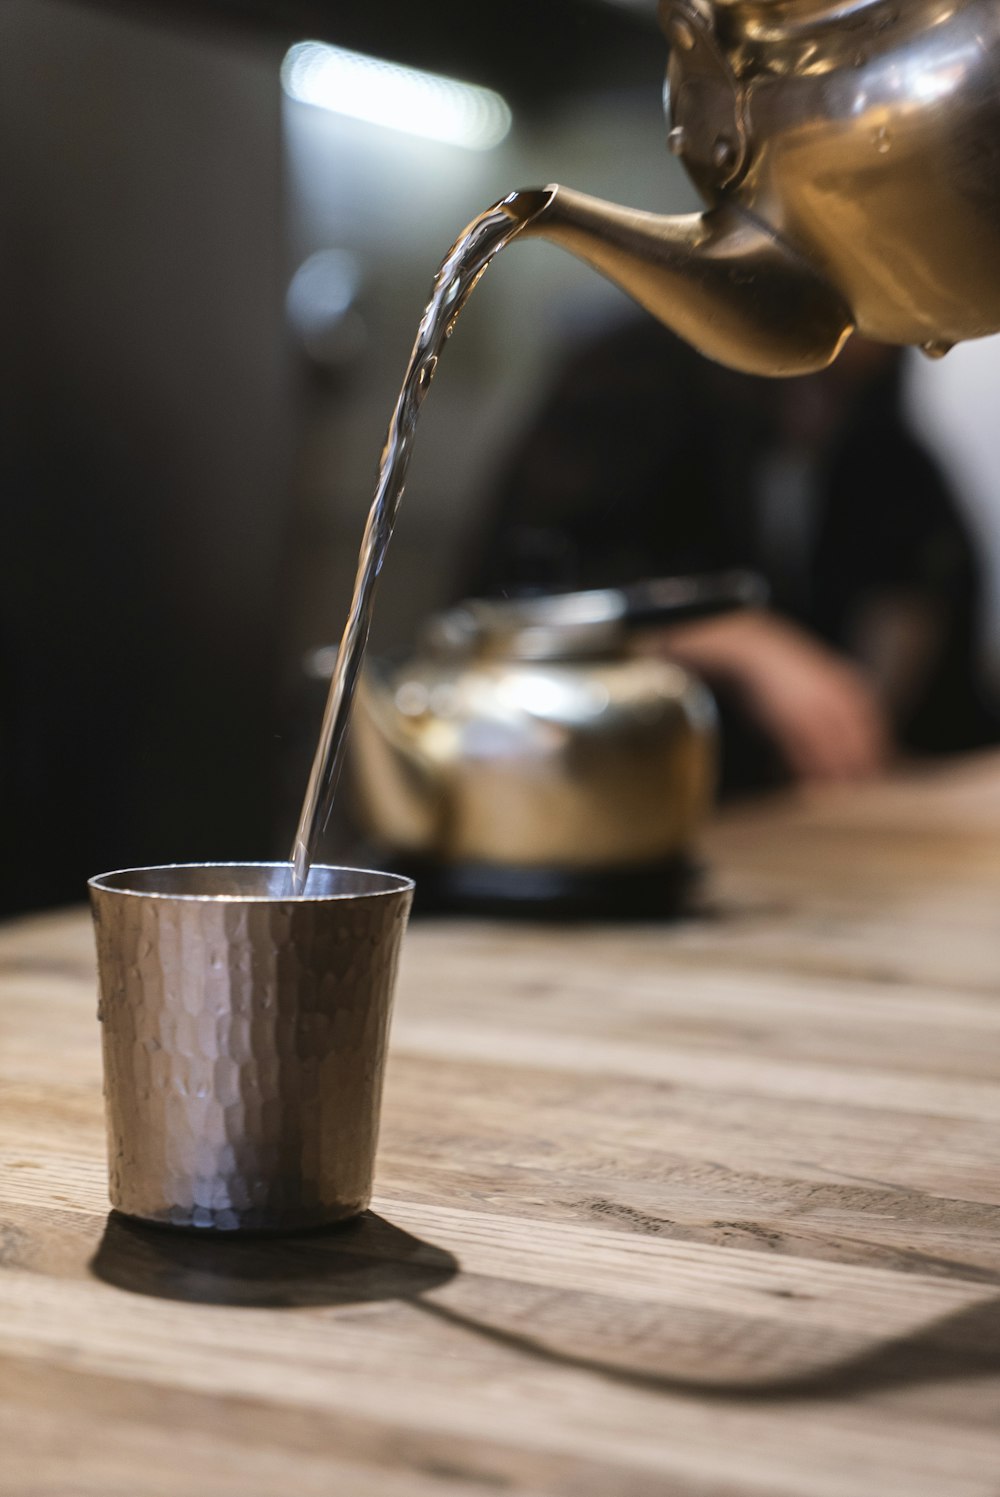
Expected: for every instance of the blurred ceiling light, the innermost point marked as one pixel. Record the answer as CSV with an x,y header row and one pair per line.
x,y
383,93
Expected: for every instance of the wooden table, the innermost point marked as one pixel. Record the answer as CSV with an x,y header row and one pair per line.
x,y
708,1209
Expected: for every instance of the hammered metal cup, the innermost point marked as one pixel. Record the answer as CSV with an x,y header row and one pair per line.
x,y
244,1036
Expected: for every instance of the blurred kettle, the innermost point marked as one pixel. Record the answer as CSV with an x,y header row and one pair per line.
x,y
527,756
849,155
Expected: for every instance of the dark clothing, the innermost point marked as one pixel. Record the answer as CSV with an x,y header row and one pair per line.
x,y
648,460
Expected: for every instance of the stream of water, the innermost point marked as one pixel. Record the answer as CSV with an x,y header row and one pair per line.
x,y
459,272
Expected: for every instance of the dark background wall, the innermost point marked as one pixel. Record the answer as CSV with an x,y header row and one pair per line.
x,y
146,440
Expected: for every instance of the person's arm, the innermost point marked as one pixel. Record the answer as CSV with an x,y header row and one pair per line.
x,y
819,708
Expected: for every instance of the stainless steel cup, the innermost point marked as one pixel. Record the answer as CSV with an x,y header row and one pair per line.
x,y
244,1037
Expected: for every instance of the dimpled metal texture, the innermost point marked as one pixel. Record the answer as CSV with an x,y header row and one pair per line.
x,y
244,1037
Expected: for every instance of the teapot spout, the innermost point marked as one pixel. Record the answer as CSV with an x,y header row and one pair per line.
x,y
720,279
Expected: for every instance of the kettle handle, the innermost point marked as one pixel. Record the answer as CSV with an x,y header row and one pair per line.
x,y
675,599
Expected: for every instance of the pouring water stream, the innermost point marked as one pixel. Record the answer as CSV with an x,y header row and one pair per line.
x,y
461,269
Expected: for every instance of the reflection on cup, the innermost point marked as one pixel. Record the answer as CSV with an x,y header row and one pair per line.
x,y
244,1038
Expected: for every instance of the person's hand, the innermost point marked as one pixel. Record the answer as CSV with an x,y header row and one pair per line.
x,y
816,706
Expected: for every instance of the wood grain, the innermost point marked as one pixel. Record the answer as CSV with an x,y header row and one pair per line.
x,y
708,1209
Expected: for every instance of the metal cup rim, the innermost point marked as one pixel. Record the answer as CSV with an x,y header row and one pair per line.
x,y
395,883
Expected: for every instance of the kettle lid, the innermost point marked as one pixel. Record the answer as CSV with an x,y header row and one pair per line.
x,y
580,625
562,626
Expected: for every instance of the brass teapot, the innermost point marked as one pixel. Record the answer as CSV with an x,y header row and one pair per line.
x,y
849,155
527,754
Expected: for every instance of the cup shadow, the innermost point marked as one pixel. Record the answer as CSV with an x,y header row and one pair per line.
x,y
356,1262
960,1346
368,1260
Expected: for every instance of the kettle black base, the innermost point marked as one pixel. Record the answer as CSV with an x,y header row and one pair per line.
x,y
651,891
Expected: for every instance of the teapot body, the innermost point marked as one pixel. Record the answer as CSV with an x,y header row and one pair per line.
x,y
538,754
865,134
560,765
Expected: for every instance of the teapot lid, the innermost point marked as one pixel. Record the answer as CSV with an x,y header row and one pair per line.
x,y
580,625
566,626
